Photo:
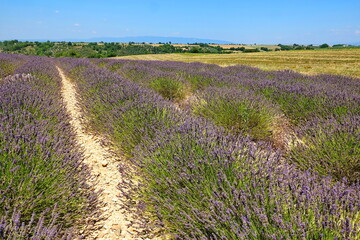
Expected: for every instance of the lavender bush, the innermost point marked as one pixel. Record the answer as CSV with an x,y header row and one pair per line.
x,y
300,97
42,179
203,182
241,111
9,63
330,146
299,100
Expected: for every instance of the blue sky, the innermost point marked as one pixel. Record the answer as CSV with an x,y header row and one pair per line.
x,y
261,22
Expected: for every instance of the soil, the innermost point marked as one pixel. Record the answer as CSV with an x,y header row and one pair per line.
x,y
103,162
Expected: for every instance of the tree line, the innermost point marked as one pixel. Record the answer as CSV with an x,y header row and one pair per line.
x,y
99,50
105,50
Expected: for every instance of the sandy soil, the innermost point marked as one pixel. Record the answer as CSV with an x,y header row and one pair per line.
x,y
103,163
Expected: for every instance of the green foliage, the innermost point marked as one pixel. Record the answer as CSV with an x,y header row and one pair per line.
x,y
344,46
325,45
265,49
238,116
198,81
285,47
194,50
6,68
251,50
299,107
166,48
336,154
295,47
105,50
237,49
299,48
136,125
95,50
169,88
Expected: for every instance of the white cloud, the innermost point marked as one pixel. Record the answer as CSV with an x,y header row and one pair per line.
x,y
337,30
93,32
340,31
77,25
56,11
357,32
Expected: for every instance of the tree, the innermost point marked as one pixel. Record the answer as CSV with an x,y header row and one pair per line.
x,y
325,45
194,50
285,47
265,49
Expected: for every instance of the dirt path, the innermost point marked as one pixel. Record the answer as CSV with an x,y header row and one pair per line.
x,y
104,166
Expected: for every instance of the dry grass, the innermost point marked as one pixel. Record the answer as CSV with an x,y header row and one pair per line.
x,y
228,46
341,62
224,46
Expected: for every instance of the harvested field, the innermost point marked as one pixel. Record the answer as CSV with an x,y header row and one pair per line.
x,y
339,62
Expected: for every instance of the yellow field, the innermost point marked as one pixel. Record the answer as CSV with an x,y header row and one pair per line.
x,y
228,46
224,46
341,62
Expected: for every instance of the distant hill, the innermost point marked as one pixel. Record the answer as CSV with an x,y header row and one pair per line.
x,y
155,39
140,39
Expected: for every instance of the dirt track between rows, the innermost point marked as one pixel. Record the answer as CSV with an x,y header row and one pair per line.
x,y
103,164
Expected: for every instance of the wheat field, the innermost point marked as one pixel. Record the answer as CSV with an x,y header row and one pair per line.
x,y
339,62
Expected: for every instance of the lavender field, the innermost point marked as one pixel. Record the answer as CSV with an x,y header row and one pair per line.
x,y
219,152
42,177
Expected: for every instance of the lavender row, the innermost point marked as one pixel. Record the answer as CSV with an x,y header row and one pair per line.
x,y
9,63
270,106
203,183
300,97
42,179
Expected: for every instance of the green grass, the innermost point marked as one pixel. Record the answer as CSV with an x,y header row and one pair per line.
x,y
169,88
237,115
197,82
299,108
137,124
331,148
6,69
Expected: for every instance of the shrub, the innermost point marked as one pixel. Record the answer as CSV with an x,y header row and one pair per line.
x,y
330,147
240,111
325,45
169,88
251,50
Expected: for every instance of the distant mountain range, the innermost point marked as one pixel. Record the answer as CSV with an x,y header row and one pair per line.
x,y
140,39
146,39
154,39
